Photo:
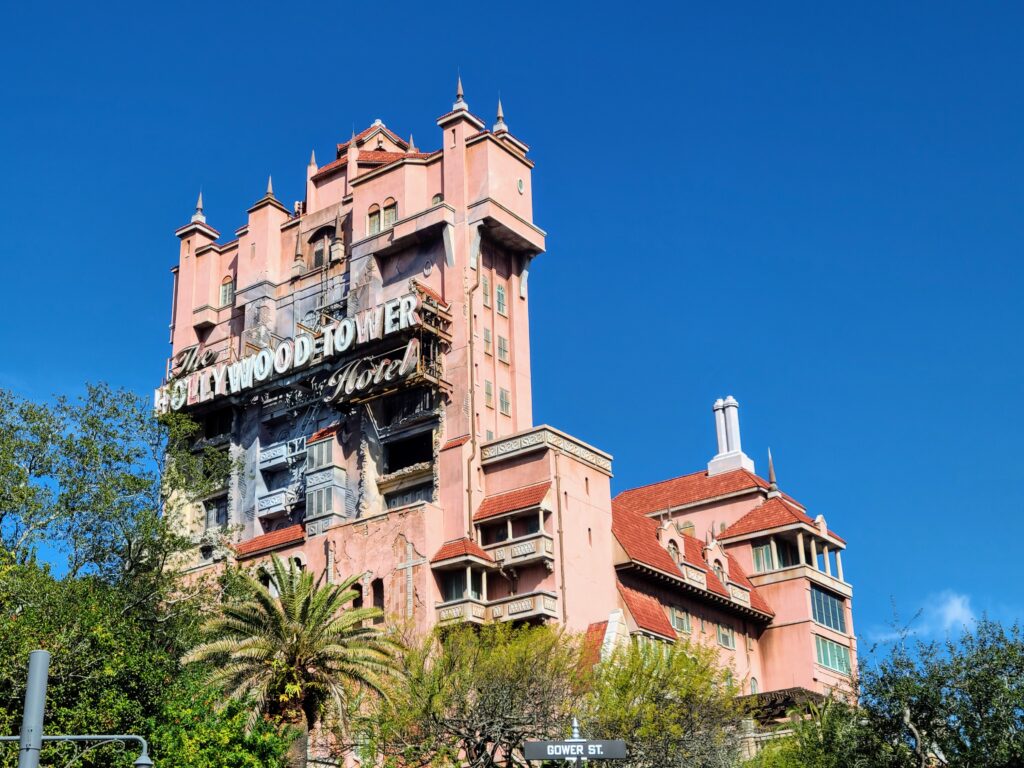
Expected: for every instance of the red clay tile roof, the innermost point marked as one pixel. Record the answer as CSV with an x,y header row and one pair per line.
x,y
686,490
592,642
646,612
320,434
363,134
520,498
460,548
272,540
737,575
772,513
455,442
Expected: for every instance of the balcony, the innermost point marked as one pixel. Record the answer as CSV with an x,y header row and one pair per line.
x,y
533,548
275,503
466,609
802,572
532,605
324,477
280,455
204,317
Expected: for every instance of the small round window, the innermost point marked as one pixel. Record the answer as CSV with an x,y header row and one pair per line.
x,y
521,186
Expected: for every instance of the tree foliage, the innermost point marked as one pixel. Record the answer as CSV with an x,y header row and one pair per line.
x,y
296,654
673,705
472,696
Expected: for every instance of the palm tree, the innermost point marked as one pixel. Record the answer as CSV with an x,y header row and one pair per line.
x,y
298,654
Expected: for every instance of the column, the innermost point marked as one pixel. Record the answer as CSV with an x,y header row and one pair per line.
x,y
814,553
828,563
839,564
720,429
800,547
775,552
483,587
469,583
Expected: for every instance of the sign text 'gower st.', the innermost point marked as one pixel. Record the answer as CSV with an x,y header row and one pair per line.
x,y
589,749
287,355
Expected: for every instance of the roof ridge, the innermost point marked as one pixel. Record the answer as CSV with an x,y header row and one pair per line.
x,y
660,482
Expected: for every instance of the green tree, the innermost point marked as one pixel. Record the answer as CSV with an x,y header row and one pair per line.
x,y
673,705
298,655
829,735
472,696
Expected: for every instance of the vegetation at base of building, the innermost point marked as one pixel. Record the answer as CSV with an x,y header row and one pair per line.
x,y
958,703
674,706
297,655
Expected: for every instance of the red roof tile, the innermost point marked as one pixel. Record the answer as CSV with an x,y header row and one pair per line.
x,y
646,612
520,498
320,434
272,540
592,642
427,290
460,548
772,513
363,134
455,442
686,490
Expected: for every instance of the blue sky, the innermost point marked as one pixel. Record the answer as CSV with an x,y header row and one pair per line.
x,y
813,207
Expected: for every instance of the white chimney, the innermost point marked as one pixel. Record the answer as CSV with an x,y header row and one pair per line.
x,y
730,454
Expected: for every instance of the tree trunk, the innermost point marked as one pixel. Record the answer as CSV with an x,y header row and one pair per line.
x,y
298,751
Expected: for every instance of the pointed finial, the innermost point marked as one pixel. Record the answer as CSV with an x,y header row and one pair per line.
x,y
575,728
198,215
270,186
412,143
460,101
312,157
499,125
353,136
773,486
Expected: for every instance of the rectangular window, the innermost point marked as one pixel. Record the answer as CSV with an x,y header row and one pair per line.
x,y
726,637
485,286
390,216
319,502
488,394
503,349
500,292
227,293
490,435
763,561
453,585
318,253
319,455
487,341
373,223
827,609
217,513
833,655
476,585
505,402
681,620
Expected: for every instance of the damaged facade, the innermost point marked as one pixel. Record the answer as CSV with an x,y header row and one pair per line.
x,y
364,357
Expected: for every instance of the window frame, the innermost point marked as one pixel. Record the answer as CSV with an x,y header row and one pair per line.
x,y
726,636
485,286
503,354
830,607
825,649
501,299
389,213
227,291
504,402
373,219
488,342
681,621
488,393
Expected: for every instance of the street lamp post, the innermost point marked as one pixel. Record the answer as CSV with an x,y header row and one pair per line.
x,y
30,742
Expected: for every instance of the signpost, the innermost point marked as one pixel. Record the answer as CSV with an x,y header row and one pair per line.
x,y
575,748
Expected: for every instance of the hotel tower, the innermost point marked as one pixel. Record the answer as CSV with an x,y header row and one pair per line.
x,y
364,357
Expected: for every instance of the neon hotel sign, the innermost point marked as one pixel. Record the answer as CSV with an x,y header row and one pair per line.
x,y
199,380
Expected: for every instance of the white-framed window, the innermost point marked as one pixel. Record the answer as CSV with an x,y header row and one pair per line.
x,y
216,513
502,307
319,454
319,502
438,198
763,560
827,609
505,402
487,342
488,394
227,291
832,654
485,286
373,220
754,687
726,637
390,212
503,349
681,620
490,435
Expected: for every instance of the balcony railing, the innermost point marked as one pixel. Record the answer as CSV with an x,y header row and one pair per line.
x,y
275,503
535,547
526,606
466,609
280,454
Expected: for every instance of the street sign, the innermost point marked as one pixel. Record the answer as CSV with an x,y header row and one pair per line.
x,y
575,749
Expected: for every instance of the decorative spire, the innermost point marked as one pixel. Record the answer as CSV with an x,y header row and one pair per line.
x,y
773,486
499,125
412,143
199,216
298,244
312,158
270,186
460,101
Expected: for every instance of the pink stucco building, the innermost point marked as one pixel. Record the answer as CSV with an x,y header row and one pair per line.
x,y
364,355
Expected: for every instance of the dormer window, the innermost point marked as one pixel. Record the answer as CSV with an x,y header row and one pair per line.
x,y
390,212
227,291
373,220
719,571
673,551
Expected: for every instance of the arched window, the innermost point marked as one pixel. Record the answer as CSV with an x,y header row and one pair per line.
x,y
357,602
673,551
373,220
438,198
390,212
719,571
320,243
753,685
377,588
227,291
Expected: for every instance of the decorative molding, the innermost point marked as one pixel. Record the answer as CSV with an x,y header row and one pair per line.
x,y
546,437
